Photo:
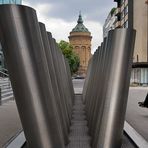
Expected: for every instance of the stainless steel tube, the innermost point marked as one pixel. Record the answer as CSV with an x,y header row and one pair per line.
x,y
88,75
98,109
98,83
23,50
51,69
97,67
59,78
63,76
70,81
111,125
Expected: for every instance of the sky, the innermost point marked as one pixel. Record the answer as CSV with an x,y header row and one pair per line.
x,y
60,16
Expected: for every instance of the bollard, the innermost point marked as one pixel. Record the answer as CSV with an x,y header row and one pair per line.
x,y
27,65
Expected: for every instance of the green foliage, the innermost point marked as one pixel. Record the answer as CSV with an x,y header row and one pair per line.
x,y
112,11
72,58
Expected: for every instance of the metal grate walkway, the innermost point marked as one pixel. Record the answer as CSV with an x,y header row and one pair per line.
x,y
79,137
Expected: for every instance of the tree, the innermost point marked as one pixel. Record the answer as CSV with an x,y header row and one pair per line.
x,y
68,53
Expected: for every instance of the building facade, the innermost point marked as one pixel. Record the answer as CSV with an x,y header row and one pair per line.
x,y
10,1
109,22
134,14
2,60
80,39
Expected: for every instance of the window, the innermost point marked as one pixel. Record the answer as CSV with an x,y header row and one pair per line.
x,y
122,1
122,15
126,24
126,10
6,2
137,58
118,18
10,1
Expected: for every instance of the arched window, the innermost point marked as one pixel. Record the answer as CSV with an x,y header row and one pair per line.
x,y
83,48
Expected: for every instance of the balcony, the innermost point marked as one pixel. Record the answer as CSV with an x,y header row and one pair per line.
x,y
126,3
118,11
118,24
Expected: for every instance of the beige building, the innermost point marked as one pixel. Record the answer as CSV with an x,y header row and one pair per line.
x,y
134,14
80,39
140,18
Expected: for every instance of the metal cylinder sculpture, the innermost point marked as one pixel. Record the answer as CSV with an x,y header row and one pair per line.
x,y
106,101
50,62
42,84
29,73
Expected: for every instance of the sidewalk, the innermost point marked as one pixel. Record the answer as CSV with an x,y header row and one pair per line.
x,y
9,122
136,116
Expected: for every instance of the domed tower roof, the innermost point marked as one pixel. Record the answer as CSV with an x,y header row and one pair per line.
x,y
80,27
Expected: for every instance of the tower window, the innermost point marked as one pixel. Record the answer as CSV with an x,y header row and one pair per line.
x,y
137,58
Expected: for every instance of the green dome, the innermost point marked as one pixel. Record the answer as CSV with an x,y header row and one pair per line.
x,y
80,27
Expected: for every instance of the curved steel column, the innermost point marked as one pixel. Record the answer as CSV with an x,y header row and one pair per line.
x,y
112,122
58,73
51,68
103,85
63,76
27,65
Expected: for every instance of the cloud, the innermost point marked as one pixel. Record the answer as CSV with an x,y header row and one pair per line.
x,y
68,9
96,31
60,29
60,17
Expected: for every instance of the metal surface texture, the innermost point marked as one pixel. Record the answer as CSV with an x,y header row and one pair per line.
x,y
27,65
108,86
42,84
54,82
117,89
102,82
58,72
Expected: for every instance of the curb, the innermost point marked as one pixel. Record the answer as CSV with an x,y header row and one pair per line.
x,y
138,140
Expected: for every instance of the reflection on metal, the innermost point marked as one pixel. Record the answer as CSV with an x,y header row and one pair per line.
x,y
27,65
51,69
59,71
108,85
42,84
